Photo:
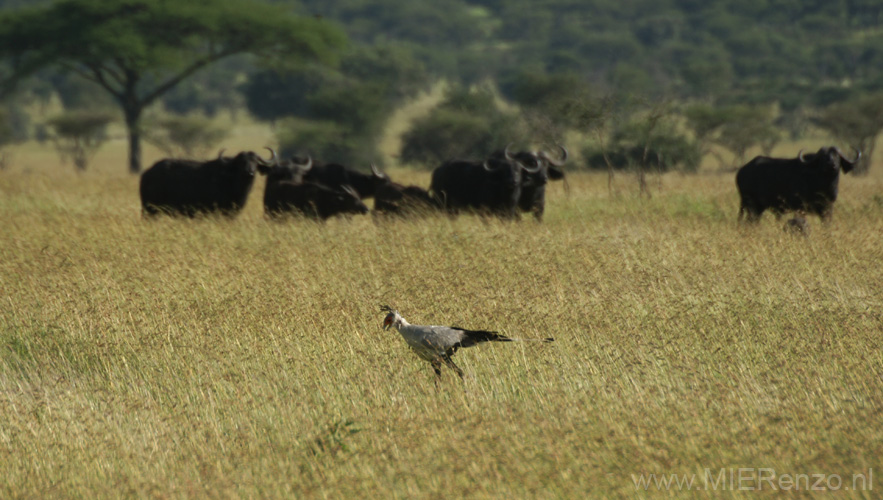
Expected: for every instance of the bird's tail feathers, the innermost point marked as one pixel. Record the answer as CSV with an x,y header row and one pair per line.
x,y
475,336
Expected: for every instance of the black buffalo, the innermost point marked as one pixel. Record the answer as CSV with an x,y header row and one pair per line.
x,y
336,176
311,200
492,186
288,171
807,183
398,199
543,168
189,188
285,170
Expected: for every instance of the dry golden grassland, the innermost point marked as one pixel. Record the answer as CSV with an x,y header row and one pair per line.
x,y
245,358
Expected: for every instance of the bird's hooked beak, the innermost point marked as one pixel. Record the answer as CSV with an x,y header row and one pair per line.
x,y
387,321
390,318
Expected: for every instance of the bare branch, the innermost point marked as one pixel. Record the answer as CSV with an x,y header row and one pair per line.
x,y
116,76
95,74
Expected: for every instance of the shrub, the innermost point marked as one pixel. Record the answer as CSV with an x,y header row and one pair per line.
x,y
326,141
189,136
7,136
79,134
666,149
856,122
467,124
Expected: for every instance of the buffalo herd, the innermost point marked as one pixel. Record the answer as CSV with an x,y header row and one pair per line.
x,y
505,184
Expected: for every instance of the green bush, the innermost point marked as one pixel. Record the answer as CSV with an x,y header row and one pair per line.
x,y
467,124
856,122
343,124
189,136
326,141
79,134
665,149
6,137
564,100
337,115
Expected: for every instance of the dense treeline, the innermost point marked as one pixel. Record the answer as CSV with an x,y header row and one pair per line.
x,y
742,58
750,69
759,48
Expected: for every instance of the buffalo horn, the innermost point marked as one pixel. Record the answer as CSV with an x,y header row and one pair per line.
x,y
557,163
305,167
850,163
858,155
375,171
531,170
511,159
272,159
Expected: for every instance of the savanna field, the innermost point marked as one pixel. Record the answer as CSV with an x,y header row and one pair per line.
x,y
245,358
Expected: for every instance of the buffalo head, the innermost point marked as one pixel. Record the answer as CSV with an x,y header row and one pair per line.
x,y
244,165
350,202
830,158
286,170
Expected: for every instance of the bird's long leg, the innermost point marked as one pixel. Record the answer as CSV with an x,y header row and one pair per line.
x,y
436,365
450,362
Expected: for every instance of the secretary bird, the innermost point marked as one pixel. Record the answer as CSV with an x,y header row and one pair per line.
x,y
437,344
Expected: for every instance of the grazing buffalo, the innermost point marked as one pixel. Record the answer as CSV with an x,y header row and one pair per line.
x,y
807,183
492,186
312,200
398,199
188,187
533,183
335,176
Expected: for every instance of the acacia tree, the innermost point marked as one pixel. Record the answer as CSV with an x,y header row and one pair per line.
x,y
137,50
79,134
736,128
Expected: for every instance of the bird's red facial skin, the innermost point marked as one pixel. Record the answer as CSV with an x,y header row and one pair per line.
x,y
387,321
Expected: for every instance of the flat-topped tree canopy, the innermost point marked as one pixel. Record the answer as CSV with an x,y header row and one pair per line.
x,y
137,50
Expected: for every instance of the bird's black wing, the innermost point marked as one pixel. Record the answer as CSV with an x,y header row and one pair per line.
x,y
472,337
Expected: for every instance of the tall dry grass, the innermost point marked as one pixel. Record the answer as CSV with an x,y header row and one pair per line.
x,y
244,358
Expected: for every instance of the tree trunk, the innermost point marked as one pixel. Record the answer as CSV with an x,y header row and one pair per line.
x,y
133,117
642,183
864,163
642,172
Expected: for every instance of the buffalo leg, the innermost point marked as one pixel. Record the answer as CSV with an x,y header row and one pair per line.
x,y
749,213
752,214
